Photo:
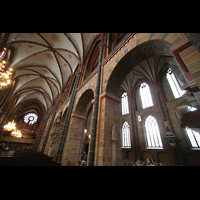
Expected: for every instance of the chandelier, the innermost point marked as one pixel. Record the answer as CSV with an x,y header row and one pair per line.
x,y
11,127
4,75
17,133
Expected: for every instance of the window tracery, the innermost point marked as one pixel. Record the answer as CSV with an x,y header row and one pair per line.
x,y
152,133
124,100
30,118
126,141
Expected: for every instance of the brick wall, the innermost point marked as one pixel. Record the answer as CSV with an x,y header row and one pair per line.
x,y
73,140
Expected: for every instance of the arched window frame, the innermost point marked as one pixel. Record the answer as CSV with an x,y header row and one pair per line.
x,y
152,133
124,104
176,90
194,137
145,95
126,136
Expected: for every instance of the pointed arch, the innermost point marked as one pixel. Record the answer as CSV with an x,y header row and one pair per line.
x,y
124,104
153,138
145,94
126,138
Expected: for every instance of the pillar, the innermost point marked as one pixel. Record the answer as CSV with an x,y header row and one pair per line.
x,y
67,119
133,123
95,111
113,142
50,125
41,132
113,152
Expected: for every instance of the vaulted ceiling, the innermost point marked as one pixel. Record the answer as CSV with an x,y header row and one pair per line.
x,y
149,69
44,62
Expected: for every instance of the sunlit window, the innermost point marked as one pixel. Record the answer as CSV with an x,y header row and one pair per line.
x,y
192,108
177,91
145,95
1,54
124,100
194,137
30,118
126,141
152,133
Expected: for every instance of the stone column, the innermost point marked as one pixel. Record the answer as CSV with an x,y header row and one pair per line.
x,y
41,132
67,119
113,141
50,125
133,127
95,111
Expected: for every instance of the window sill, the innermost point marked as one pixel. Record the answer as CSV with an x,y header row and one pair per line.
x,y
154,148
125,114
195,148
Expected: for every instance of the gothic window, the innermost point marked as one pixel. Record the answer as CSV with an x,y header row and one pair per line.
x,y
152,133
145,95
124,100
177,91
1,54
194,137
30,118
126,141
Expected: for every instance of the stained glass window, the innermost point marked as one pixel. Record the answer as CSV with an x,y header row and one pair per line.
x,y
30,118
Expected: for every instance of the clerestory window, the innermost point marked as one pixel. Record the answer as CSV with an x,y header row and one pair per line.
x,y
177,91
194,137
145,95
124,102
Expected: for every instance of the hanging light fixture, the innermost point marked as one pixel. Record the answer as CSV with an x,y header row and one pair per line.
x,y
4,75
11,126
17,134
